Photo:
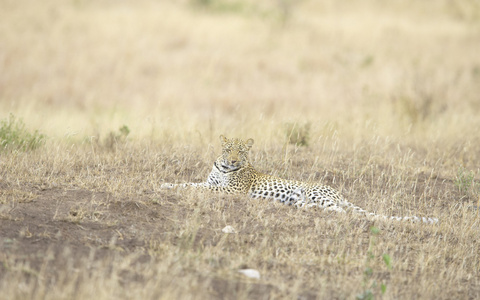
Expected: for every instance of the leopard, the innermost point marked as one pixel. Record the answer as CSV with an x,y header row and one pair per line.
x,y
232,173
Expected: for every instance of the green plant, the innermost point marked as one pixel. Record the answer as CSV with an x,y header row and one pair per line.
x,y
297,134
220,5
464,180
14,136
369,285
116,137
280,11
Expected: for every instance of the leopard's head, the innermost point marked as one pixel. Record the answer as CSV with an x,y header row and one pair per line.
x,y
234,153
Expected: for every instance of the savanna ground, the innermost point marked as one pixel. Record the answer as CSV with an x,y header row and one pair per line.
x,y
379,100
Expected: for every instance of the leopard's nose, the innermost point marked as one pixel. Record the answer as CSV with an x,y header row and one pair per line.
x,y
234,161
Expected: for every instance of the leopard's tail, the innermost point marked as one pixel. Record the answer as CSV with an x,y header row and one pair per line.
x,y
414,219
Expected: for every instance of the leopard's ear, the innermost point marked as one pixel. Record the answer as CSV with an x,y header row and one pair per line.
x,y
223,139
249,143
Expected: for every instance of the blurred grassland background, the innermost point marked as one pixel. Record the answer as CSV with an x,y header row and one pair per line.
x,y
405,69
102,101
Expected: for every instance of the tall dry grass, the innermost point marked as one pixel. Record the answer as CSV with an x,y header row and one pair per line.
x,y
389,95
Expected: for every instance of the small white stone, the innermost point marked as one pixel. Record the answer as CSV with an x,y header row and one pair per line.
x,y
228,229
251,273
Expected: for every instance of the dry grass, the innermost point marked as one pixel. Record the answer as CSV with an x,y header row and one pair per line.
x,y
384,95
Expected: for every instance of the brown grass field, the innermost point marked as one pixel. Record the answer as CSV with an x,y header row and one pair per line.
x,y
379,99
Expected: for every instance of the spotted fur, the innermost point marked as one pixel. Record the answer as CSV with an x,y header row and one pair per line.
x,y
232,173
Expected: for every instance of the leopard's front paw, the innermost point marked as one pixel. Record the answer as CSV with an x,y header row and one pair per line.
x,y
167,186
